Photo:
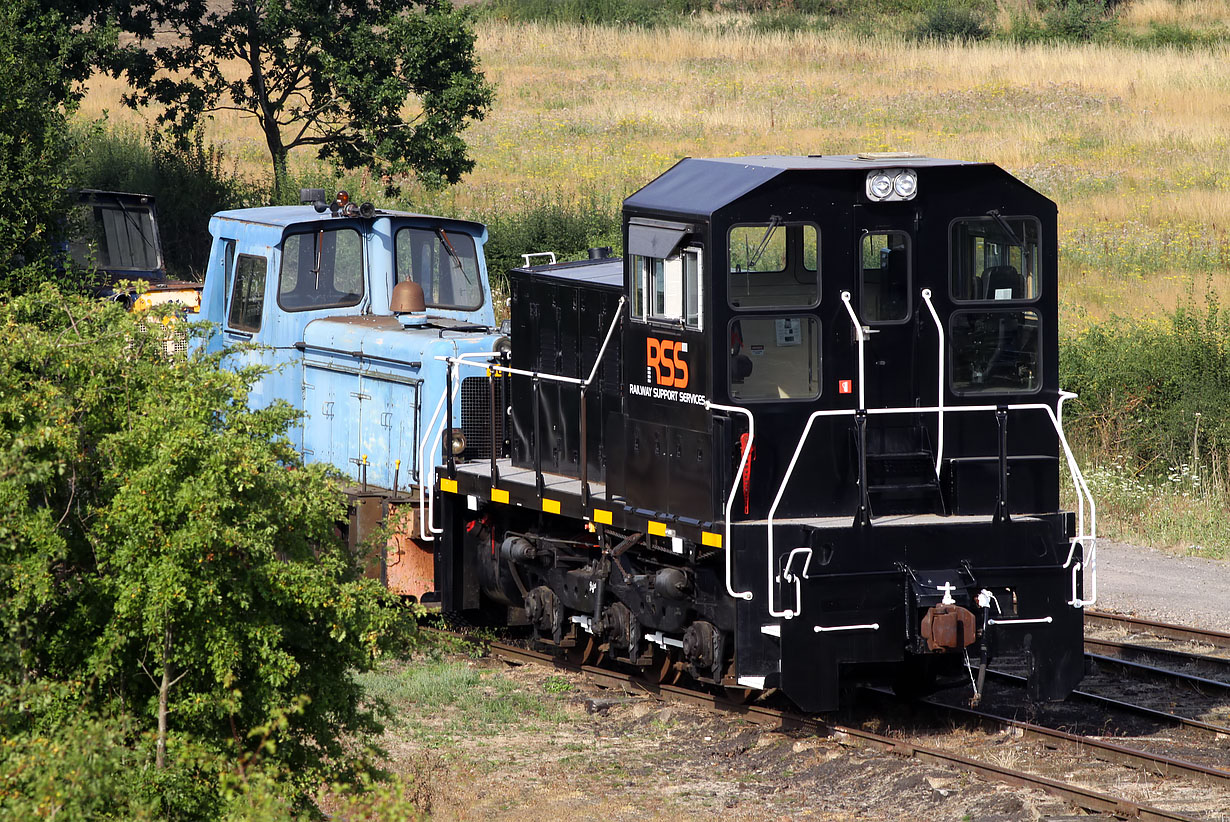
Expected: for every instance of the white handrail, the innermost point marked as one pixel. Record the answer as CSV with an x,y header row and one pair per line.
x,y
1078,479
734,490
861,335
939,394
781,490
427,520
584,383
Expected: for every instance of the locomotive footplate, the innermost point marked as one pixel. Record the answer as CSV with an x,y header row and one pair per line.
x,y
563,496
882,602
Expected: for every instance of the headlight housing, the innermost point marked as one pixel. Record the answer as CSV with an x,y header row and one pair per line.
x,y
892,185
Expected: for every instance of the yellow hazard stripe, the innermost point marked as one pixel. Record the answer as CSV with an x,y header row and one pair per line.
x,y
710,539
448,486
499,495
602,517
550,506
658,529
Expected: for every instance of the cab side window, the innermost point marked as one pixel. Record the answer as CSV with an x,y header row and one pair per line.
x,y
995,258
668,289
248,297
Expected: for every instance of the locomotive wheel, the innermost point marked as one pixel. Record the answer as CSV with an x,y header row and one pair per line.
x,y
586,651
663,669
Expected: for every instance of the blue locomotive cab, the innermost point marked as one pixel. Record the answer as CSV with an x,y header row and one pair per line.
x,y
311,295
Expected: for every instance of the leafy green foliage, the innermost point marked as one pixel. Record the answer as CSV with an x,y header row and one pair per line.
x,y
550,223
167,560
336,76
951,22
1152,392
41,61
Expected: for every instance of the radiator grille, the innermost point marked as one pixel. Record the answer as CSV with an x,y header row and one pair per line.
x,y
476,416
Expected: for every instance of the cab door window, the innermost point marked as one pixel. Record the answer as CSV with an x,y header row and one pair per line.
x,y
885,276
248,298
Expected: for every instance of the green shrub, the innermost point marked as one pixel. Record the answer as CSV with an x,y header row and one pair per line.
x,y
551,223
1153,392
950,22
167,558
1078,20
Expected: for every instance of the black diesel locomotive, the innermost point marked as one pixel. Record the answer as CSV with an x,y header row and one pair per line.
x,y
806,432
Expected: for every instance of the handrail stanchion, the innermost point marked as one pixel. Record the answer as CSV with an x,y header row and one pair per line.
x,y
939,393
495,468
863,518
448,416
584,451
1001,502
536,382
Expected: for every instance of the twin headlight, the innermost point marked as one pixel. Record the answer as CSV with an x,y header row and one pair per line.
x,y
892,184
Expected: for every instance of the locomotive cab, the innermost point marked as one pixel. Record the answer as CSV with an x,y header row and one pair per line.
x,y
308,294
806,431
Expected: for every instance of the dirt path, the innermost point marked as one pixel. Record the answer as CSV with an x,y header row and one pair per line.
x,y
1155,584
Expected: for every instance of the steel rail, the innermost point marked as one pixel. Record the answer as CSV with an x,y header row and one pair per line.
x,y
1130,652
1174,677
1183,633
1082,797
1218,731
1100,749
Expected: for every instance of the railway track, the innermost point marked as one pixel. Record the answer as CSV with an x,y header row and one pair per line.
x,y
1212,783
1159,630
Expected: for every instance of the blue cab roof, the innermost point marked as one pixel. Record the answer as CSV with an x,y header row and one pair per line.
x,y
283,216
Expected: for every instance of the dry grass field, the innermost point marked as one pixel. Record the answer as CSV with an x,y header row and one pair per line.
x,y
1133,144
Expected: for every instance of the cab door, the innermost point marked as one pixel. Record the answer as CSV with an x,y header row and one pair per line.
x,y
885,302
896,453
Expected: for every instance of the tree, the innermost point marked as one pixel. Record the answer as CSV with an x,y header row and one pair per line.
x,y
43,58
166,557
388,85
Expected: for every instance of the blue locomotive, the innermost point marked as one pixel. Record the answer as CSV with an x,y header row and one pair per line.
x,y
316,294
807,431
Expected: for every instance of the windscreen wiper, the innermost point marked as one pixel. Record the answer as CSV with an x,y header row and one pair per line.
x,y
755,256
452,252
998,218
